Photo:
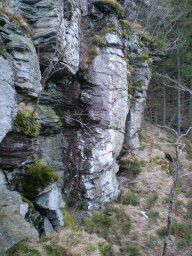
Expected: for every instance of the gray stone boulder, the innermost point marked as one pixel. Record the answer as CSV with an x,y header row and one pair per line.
x,y
55,30
13,227
8,97
52,200
52,203
22,54
2,178
47,228
51,152
26,65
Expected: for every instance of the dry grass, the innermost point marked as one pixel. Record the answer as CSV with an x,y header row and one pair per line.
x,y
141,221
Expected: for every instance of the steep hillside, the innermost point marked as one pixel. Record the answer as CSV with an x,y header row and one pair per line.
x,y
134,224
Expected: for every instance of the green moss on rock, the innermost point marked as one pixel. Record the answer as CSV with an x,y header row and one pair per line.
x,y
109,6
126,29
142,57
69,218
26,122
137,84
99,41
37,176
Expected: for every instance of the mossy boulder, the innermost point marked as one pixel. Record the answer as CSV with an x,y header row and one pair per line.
x,y
36,178
109,6
26,121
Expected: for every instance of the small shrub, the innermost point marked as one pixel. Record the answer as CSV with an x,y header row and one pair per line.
x,y
153,215
99,223
165,166
152,201
151,242
26,122
105,250
185,239
51,251
91,248
128,165
37,176
190,192
135,169
22,249
101,218
161,232
126,29
179,187
130,198
189,206
178,205
176,228
126,225
167,200
133,250
142,57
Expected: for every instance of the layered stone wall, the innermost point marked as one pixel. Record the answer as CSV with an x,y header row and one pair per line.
x,y
73,74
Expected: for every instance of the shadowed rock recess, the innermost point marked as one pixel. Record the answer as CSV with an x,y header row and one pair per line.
x,y
73,84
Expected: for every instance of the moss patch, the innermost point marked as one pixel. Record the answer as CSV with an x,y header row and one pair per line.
x,y
37,177
26,122
109,6
69,218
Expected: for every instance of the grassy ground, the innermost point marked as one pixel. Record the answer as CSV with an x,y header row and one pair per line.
x,y
135,224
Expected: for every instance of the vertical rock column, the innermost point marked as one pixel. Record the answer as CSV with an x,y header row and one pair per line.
x,y
92,150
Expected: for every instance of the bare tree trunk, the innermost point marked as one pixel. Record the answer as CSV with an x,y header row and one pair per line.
x,y
190,112
164,105
171,201
178,95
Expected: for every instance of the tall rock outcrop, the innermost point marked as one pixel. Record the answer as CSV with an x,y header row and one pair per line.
x,y
73,93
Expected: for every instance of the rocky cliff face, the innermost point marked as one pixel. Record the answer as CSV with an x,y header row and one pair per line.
x,y
73,86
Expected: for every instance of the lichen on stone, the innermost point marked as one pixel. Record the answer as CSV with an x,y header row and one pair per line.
x,y
36,178
26,121
18,20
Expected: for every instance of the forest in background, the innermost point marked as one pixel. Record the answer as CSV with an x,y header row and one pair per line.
x,y
169,98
